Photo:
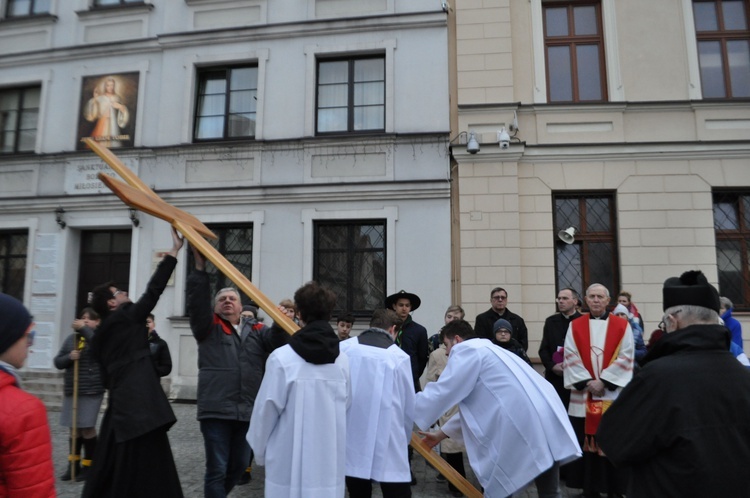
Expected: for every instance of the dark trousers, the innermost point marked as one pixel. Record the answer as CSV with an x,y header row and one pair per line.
x,y
362,488
227,454
456,460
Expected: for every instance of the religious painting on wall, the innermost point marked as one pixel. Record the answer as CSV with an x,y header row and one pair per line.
x,y
108,109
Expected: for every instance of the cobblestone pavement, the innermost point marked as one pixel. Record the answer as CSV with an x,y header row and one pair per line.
x,y
187,447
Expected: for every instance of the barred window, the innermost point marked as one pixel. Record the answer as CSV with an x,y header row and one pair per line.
x,y
350,259
732,226
592,257
235,243
13,247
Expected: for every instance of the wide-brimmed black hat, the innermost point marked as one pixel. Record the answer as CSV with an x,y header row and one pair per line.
x,y
402,294
693,288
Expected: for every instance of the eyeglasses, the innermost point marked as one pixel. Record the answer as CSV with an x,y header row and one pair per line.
x,y
30,337
118,291
499,298
663,322
503,331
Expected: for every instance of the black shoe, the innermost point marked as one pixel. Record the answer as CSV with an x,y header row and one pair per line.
x,y
245,479
440,478
82,474
66,476
413,479
457,493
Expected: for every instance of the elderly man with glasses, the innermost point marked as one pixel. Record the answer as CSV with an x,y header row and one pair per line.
x,y
599,355
681,426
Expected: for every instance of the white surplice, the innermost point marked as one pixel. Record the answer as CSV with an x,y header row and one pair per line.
x,y
619,372
511,420
380,418
298,426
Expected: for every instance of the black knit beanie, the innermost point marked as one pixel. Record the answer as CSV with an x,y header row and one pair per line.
x,y
14,320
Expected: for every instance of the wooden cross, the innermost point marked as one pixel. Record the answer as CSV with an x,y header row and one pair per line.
x,y
138,195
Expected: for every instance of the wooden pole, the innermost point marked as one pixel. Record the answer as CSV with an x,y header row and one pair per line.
x,y
74,427
138,195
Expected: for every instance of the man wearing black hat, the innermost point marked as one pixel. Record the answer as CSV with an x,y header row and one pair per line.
x,y
681,426
412,337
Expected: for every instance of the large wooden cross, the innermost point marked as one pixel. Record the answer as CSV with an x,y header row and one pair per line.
x,y
138,195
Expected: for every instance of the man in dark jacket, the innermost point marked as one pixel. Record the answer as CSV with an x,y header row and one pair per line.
x,y
133,456
681,425
412,337
553,340
484,321
231,363
159,349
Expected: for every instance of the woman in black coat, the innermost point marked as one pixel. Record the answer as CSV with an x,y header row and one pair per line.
x,y
134,457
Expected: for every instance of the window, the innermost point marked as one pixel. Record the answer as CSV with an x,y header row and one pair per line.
x,y
19,113
592,257
13,246
574,52
227,103
235,243
723,47
732,225
351,95
350,259
22,8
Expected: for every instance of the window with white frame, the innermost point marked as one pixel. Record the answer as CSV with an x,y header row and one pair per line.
x,y
19,116
351,95
350,259
24,8
226,104
722,30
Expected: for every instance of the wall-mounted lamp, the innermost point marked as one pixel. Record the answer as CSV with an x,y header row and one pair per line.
x,y
568,235
60,217
472,146
134,217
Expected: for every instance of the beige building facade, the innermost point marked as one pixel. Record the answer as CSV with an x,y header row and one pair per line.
x,y
622,133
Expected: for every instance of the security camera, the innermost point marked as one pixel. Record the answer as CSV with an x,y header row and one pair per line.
x,y
503,139
472,147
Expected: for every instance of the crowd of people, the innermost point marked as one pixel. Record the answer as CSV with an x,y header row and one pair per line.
x,y
329,411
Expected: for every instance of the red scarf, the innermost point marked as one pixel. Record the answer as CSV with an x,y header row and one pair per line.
x,y
616,327
228,329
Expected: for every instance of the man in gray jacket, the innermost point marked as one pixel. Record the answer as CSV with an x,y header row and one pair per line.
x,y
231,363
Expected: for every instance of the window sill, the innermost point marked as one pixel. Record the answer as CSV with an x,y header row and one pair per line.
x,y
32,20
115,10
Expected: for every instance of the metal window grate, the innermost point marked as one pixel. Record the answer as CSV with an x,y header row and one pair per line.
x,y
592,258
350,259
732,227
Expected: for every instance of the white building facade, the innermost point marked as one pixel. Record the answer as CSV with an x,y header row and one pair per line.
x,y
310,135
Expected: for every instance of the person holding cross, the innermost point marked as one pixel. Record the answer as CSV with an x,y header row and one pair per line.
x,y
133,457
231,364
